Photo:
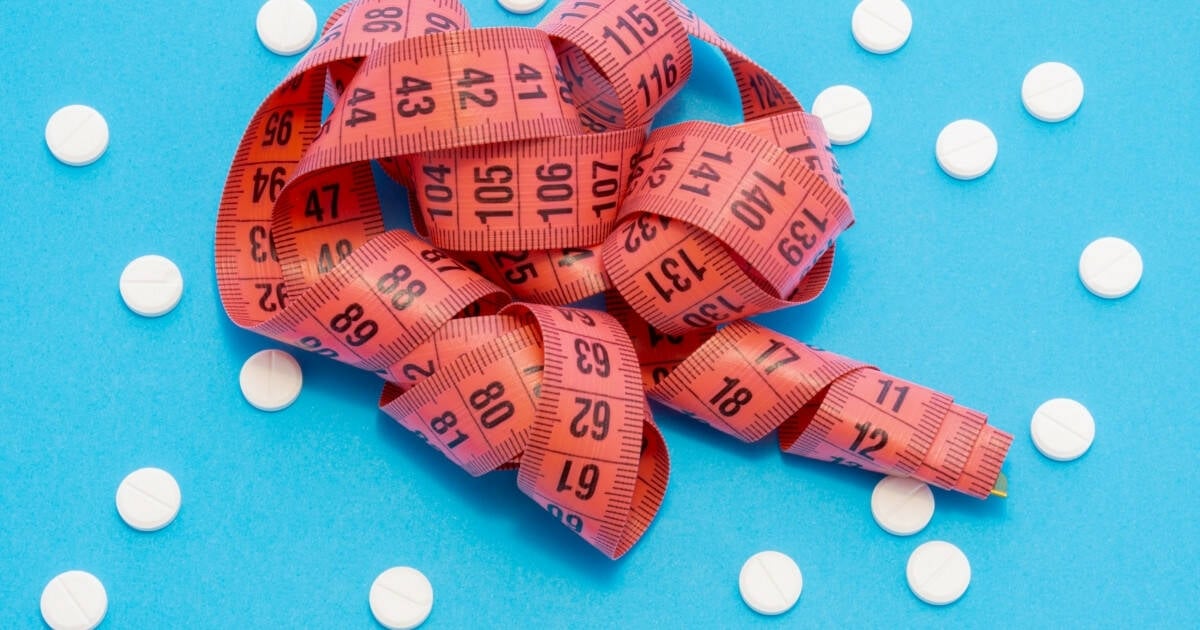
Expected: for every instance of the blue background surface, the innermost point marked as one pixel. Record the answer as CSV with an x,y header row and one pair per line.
x,y
968,287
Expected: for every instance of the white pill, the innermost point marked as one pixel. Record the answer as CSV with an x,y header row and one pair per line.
x,y
938,572
148,499
77,135
1052,91
966,149
845,112
902,505
1062,429
1110,267
151,285
74,600
881,26
286,27
522,6
770,582
271,380
401,598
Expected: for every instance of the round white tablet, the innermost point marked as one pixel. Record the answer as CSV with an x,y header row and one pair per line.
x,y
845,112
286,27
77,135
902,505
74,600
401,598
881,26
1110,267
522,6
148,499
1052,91
151,285
966,149
770,582
938,572
271,380
1062,429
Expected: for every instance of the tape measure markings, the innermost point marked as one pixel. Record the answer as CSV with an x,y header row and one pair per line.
x,y
437,405
577,177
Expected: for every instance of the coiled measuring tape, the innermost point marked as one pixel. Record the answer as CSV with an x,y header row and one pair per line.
x,y
533,176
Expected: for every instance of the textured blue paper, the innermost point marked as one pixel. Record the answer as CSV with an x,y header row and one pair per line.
x,y
967,287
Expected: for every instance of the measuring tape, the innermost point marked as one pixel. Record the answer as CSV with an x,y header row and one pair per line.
x,y
535,182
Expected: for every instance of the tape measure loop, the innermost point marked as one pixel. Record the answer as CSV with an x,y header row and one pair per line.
x,y
588,441
686,280
766,206
555,390
768,221
748,381
761,93
640,49
383,301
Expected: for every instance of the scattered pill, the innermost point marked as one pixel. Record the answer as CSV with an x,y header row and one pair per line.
x,y
938,573
1110,267
286,27
74,600
881,26
1052,91
902,505
1062,429
845,112
77,135
401,598
271,380
522,6
966,149
148,499
770,582
151,285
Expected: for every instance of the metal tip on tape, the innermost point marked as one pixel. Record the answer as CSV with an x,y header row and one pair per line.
x,y
1001,487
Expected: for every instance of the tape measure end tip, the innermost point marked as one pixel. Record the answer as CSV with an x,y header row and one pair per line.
x,y
1000,489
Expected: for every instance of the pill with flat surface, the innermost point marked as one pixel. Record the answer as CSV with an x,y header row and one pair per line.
x,y
1052,91
966,149
522,6
271,380
286,27
151,285
770,582
1110,267
1062,429
401,598
77,135
902,505
74,600
881,26
938,573
148,499
844,111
